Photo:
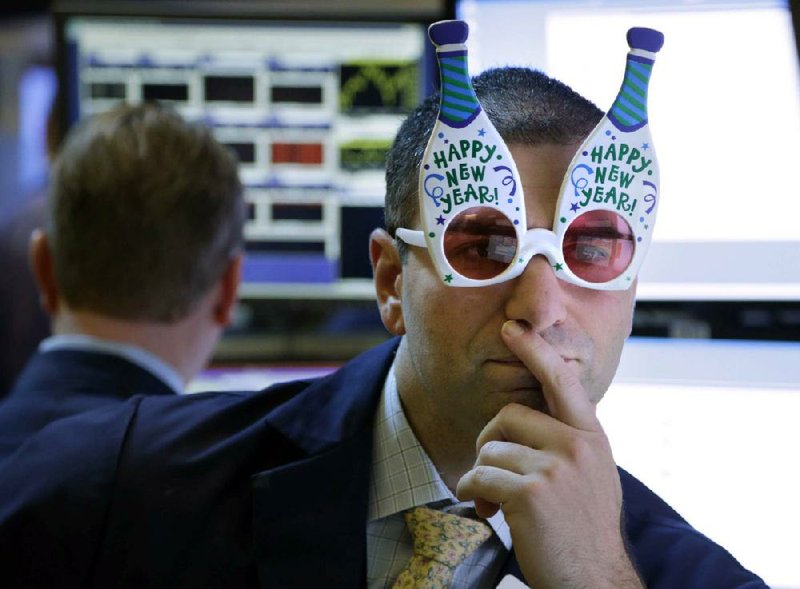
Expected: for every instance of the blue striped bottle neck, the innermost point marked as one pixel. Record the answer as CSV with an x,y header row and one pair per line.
x,y
459,104
629,111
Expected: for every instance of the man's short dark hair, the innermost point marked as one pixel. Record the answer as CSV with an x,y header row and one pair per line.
x,y
145,213
526,107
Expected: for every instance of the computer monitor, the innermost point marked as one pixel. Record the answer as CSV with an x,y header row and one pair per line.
x,y
725,116
308,94
709,425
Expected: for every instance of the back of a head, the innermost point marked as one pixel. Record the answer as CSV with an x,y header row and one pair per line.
x,y
526,107
145,213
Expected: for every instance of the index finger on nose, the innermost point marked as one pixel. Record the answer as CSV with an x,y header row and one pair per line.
x,y
566,398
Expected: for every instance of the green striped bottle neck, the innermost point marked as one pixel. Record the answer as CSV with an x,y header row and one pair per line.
x,y
459,104
629,111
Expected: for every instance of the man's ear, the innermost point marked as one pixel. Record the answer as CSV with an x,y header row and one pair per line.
x,y
228,291
387,273
40,257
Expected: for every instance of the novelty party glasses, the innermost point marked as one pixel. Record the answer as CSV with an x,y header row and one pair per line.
x,y
471,202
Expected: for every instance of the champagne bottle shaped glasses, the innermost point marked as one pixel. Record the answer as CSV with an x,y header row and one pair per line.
x,y
466,170
472,209
612,182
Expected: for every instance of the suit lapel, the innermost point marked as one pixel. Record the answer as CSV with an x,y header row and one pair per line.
x,y
310,519
310,516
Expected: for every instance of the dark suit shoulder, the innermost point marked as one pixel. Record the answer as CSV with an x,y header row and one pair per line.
x,y
212,430
78,494
669,552
183,492
224,412
57,486
60,383
182,509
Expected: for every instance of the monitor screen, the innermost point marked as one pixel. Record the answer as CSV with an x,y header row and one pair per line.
x,y
724,106
710,425
310,108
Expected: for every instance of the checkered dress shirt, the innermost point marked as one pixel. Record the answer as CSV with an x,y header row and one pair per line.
x,y
403,476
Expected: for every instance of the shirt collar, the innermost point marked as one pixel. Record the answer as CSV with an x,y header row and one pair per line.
x,y
134,354
403,475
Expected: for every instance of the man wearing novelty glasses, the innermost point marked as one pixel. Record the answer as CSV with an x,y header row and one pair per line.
x,y
482,411
530,356
499,380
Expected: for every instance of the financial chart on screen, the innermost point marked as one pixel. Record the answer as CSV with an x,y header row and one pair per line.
x,y
309,107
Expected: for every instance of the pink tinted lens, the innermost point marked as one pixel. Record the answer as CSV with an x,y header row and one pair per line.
x,y
480,243
598,246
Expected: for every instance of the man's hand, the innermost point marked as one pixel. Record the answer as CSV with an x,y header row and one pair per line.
x,y
554,478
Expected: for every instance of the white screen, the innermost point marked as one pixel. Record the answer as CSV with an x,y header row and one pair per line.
x,y
724,108
711,426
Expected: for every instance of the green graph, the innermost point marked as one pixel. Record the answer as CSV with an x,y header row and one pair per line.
x,y
363,154
391,86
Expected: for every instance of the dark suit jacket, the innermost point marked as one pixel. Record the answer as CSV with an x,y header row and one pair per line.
x,y
238,490
61,383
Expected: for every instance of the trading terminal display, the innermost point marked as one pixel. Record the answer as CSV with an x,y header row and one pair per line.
x,y
378,87
309,109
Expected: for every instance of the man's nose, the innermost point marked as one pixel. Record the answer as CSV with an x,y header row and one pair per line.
x,y
537,296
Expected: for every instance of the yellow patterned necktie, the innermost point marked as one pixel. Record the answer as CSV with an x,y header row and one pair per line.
x,y
441,542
